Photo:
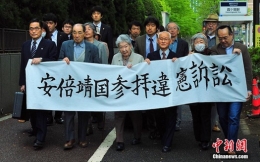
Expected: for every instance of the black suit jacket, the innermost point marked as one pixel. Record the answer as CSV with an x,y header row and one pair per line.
x,y
61,37
46,49
107,36
156,55
182,48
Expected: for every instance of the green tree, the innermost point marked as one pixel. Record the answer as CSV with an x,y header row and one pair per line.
x,y
35,9
182,13
79,11
120,23
135,11
10,14
109,15
152,9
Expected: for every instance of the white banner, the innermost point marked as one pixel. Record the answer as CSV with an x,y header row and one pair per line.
x,y
95,87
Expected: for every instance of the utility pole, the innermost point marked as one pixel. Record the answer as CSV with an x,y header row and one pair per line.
x,y
255,17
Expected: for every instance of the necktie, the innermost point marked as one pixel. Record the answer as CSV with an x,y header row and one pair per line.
x,y
163,56
33,48
97,29
133,43
151,45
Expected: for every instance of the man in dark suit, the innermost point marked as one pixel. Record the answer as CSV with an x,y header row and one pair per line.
x,y
134,29
181,48
106,36
147,43
80,51
229,112
38,50
67,28
104,30
165,118
57,37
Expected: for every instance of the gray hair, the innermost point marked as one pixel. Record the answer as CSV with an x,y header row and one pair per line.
x,y
91,25
123,38
196,36
166,27
164,32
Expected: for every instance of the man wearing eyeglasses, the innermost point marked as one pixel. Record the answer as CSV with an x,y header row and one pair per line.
x,y
38,50
165,118
229,112
67,28
181,48
57,37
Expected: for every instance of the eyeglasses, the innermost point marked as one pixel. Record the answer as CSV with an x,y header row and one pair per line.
x,y
172,28
223,38
36,28
164,39
67,26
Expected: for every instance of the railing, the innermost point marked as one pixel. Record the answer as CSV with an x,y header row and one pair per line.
x,y
11,40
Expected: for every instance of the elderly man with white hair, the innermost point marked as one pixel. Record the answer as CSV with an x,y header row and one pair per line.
x,y
165,118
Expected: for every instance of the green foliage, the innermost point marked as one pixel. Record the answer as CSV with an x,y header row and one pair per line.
x,y
135,11
120,23
189,14
255,58
151,9
182,13
10,14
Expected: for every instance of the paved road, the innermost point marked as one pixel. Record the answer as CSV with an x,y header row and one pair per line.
x,y
16,146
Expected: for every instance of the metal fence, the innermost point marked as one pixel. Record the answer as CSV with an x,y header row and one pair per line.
x,y
11,40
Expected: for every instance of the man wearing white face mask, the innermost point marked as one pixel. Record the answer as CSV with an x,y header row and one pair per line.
x,y
201,112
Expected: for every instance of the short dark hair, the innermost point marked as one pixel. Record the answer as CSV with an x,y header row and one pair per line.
x,y
98,9
68,21
230,31
151,19
161,28
50,17
135,23
37,21
45,27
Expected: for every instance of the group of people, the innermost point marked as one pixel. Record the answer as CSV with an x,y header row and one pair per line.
x,y
83,44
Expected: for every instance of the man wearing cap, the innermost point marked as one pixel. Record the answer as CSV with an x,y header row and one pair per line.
x,y
211,24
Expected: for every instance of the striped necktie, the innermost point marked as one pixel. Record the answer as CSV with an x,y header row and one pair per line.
x,y
33,50
163,56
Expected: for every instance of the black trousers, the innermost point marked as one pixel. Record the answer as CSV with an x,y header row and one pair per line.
x,y
57,115
170,124
201,115
38,120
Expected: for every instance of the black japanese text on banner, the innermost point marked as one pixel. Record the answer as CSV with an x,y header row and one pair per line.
x,y
96,87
